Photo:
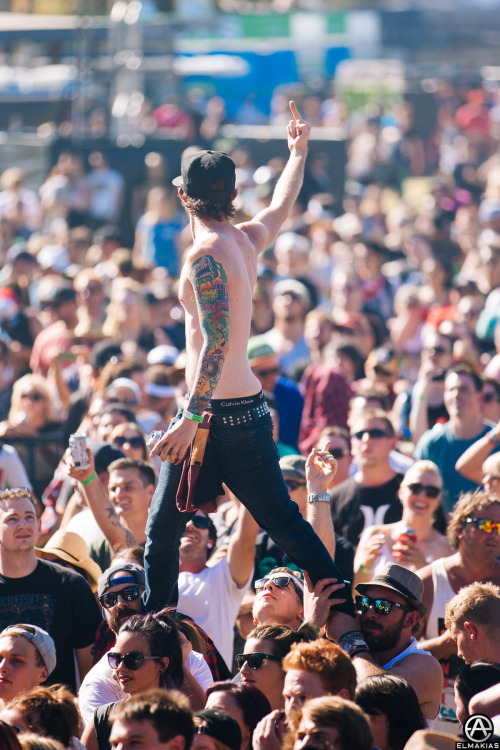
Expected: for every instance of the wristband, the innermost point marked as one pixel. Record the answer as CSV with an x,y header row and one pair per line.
x,y
493,437
363,569
353,643
321,498
89,479
192,417
422,397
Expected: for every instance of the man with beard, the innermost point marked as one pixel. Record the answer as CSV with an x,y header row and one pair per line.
x,y
381,638
120,589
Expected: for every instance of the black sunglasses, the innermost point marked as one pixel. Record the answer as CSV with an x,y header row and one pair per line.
x,y
338,453
254,661
281,581
129,594
374,433
489,397
133,660
200,522
294,484
380,606
429,489
266,373
134,442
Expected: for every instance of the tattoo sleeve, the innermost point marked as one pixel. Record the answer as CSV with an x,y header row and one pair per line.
x,y
209,281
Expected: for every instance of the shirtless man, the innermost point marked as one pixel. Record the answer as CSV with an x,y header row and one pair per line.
x,y
215,289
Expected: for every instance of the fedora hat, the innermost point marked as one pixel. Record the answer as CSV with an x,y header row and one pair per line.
x,y
72,548
401,580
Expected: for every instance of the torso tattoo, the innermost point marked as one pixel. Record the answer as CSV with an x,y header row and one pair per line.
x,y
209,281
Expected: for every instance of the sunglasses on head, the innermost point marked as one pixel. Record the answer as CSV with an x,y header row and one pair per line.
x,y
294,484
254,661
380,606
281,581
484,524
374,433
129,594
200,522
133,660
429,489
33,396
134,442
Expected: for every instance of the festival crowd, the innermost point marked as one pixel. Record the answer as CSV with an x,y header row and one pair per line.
x,y
375,336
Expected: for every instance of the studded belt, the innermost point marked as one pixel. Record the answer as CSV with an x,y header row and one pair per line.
x,y
241,417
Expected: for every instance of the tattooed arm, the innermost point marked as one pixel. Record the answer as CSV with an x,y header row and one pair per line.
x,y
99,503
209,281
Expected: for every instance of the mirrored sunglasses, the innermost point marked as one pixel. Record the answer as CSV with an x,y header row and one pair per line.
x,y
129,594
254,661
380,606
484,524
429,489
133,660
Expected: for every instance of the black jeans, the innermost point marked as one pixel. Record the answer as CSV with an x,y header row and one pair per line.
x,y
247,460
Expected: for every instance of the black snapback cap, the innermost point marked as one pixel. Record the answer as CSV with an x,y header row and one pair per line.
x,y
201,169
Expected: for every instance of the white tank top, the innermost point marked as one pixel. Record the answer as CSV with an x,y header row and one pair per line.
x,y
446,720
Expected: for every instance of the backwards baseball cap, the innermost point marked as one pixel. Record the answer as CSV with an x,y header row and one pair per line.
x,y
293,466
259,351
120,574
219,725
40,639
401,580
200,170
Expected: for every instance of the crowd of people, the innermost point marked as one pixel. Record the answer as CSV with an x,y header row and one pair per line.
x,y
375,337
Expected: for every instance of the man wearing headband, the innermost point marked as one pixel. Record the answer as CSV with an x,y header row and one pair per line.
x,y
215,289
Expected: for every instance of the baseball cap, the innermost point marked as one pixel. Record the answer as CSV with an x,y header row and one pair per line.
x,y
163,354
219,725
293,466
295,287
40,639
129,573
258,351
401,580
201,169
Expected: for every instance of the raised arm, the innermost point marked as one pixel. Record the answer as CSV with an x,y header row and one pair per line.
x,y
241,549
263,229
99,503
209,281
469,465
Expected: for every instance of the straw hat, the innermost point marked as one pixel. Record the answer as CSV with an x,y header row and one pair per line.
x,y
71,548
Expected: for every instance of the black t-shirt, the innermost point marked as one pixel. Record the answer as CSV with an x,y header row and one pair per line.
x,y
61,602
354,506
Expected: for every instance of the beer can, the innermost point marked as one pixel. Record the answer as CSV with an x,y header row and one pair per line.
x,y
408,535
78,448
153,437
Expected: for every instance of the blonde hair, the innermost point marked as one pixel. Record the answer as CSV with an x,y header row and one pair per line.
x,y
426,466
17,493
38,383
479,602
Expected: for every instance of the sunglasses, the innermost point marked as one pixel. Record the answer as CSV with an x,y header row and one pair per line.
x,y
484,524
133,660
200,522
33,396
266,373
337,453
134,442
381,371
437,350
280,581
130,594
430,490
375,433
380,606
489,397
254,661
294,484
